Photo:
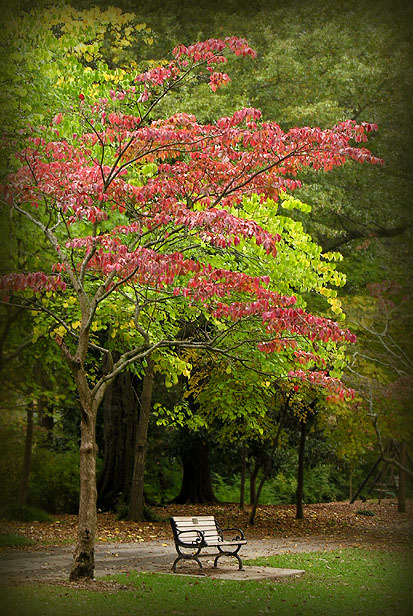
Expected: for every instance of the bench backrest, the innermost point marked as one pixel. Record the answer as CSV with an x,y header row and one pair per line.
x,y
204,523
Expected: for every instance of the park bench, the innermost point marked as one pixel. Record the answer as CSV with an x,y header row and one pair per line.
x,y
193,534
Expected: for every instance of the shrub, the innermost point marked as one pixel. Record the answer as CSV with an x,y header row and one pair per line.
x,y
54,481
25,514
321,484
278,490
11,540
162,480
11,456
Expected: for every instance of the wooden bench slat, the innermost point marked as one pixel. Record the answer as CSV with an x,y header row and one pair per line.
x,y
188,537
189,518
207,529
200,528
190,525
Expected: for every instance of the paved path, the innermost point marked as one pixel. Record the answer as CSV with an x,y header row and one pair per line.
x,y
54,563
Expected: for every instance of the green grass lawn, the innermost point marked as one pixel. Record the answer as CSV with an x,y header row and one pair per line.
x,y
342,582
12,540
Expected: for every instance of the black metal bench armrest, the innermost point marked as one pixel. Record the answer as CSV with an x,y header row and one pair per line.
x,y
197,541
241,533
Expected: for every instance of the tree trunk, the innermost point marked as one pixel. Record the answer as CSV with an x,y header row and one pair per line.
x,y
120,420
44,415
299,515
268,466
253,482
256,493
243,477
196,481
45,419
401,495
137,490
27,459
84,555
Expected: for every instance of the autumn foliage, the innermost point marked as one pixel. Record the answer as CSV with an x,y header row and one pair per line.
x,y
202,174
137,208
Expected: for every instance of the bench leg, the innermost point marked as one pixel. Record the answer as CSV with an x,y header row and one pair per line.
x,y
186,558
228,554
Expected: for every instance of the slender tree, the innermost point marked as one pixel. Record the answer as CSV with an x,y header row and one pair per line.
x,y
131,211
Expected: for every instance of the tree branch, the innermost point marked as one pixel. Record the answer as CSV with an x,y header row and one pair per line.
x,y
352,234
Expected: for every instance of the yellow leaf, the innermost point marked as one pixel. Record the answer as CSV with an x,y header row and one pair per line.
x,y
81,48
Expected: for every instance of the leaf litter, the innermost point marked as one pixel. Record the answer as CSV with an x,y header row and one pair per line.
x,y
340,521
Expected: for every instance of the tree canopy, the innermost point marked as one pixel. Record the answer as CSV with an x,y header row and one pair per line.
x,y
132,209
151,226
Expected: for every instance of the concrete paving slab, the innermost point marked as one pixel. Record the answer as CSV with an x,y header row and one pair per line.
x,y
248,573
257,573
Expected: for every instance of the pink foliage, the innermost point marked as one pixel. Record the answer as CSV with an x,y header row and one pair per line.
x,y
203,174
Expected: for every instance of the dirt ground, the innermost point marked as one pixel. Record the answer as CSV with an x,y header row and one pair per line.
x,y
148,546
369,522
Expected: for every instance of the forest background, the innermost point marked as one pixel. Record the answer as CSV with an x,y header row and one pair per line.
x,y
316,66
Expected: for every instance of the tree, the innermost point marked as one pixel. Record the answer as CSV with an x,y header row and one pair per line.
x,y
381,365
130,210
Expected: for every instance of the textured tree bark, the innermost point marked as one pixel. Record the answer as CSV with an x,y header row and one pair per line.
x,y
137,499
401,495
253,482
84,555
28,446
196,481
243,477
254,493
120,412
299,513
44,414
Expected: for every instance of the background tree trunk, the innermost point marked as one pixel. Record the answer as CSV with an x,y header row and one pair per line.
x,y
299,514
120,412
267,468
401,494
243,477
27,459
84,555
253,482
137,490
44,413
196,481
